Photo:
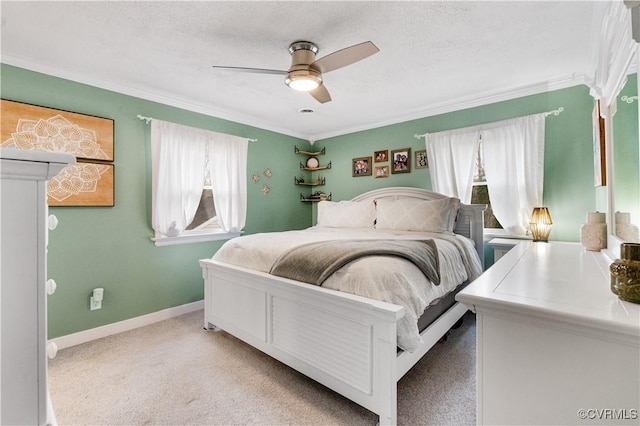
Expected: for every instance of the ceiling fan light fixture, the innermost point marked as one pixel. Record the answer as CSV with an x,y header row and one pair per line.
x,y
305,72
303,80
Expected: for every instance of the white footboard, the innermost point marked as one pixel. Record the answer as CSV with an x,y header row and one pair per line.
x,y
346,342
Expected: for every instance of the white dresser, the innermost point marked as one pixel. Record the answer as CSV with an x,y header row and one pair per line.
x,y
501,246
23,284
554,344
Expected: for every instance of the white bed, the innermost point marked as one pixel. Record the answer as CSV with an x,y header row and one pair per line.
x,y
347,342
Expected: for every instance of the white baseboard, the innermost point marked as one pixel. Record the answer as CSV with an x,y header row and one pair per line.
x,y
126,325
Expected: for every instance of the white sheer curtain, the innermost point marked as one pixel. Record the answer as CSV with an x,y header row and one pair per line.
x,y
178,155
514,167
451,157
228,168
513,153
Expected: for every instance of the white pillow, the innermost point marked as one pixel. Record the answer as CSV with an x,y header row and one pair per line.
x,y
346,214
407,214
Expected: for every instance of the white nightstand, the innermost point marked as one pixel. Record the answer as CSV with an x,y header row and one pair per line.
x,y
501,246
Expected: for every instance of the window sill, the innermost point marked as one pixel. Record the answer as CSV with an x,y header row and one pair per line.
x,y
194,238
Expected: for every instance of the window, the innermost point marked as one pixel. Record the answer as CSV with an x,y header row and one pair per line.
x,y
205,218
510,163
193,170
204,226
205,221
480,190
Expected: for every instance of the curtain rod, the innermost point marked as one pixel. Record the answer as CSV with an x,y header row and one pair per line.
x,y
555,112
148,119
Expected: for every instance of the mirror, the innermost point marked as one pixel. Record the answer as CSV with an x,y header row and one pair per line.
x,y
617,63
625,182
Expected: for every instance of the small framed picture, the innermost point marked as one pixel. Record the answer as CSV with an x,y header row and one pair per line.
x,y
361,166
421,159
381,156
381,171
401,159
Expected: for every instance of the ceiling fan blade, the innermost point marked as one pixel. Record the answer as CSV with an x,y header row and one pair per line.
x,y
344,57
252,70
321,94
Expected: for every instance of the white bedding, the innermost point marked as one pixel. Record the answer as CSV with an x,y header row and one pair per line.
x,y
390,279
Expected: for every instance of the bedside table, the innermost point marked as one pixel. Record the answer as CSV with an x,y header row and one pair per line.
x,y
501,246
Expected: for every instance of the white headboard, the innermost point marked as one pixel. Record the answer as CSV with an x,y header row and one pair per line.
x,y
470,222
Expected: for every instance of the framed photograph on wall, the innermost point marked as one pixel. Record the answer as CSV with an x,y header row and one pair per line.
x,y
381,172
401,160
599,144
381,156
361,166
421,160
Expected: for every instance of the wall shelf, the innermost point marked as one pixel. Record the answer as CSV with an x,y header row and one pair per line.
x,y
311,165
313,169
314,199
308,153
317,182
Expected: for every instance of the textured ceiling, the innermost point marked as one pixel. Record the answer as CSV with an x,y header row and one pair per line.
x,y
434,55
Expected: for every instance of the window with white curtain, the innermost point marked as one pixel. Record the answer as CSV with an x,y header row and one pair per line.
x,y
205,220
199,190
510,160
480,191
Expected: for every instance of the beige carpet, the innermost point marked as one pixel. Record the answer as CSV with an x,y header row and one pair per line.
x,y
176,373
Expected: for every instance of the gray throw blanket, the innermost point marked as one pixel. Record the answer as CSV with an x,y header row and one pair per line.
x,y
315,262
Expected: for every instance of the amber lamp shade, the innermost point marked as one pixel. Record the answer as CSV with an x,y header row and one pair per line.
x,y
540,224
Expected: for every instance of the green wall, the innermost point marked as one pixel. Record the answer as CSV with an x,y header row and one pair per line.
x,y
568,185
111,247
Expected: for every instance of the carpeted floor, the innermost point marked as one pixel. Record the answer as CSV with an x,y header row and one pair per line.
x,y
176,373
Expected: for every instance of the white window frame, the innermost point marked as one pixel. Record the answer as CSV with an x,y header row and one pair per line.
x,y
490,233
207,231
188,238
479,166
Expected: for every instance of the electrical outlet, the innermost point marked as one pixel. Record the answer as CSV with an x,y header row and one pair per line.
x,y
95,304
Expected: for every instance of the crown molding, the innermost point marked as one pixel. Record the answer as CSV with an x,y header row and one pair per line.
x,y
147,95
470,102
442,108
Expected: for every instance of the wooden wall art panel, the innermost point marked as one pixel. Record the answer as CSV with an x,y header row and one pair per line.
x,y
90,139
83,184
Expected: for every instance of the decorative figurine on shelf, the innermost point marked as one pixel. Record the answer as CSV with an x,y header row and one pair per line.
x,y
313,163
625,273
593,234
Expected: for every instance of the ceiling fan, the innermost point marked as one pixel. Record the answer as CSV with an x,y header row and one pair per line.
x,y
305,72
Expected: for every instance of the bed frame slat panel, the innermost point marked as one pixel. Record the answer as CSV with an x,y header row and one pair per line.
x,y
339,347
247,316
